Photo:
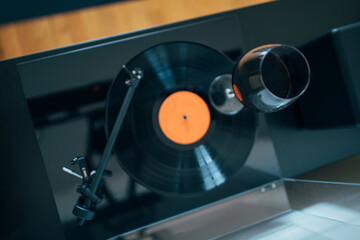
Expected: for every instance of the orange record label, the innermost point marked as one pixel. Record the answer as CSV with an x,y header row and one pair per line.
x,y
184,117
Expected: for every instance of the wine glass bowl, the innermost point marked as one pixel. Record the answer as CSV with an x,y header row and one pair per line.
x,y
271,77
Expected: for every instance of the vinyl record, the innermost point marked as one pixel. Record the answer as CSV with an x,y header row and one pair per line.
x,y
173,141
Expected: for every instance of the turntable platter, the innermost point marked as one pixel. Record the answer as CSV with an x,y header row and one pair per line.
x,y
173,141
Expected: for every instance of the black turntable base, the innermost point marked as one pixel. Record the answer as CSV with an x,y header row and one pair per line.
x,y
231,151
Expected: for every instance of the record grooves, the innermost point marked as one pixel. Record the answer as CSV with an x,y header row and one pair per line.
x,y
173,140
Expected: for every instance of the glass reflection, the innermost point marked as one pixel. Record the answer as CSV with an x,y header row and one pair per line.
x,y
211,173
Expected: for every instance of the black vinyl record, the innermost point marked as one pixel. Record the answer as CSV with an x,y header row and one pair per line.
x,y
177,71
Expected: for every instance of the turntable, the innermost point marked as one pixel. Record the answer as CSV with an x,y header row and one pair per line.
x,y
65,103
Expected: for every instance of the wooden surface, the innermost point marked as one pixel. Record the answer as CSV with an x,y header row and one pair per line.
x,y
39,34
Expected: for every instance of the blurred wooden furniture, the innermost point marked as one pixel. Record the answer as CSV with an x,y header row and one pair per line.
x,y
43,33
